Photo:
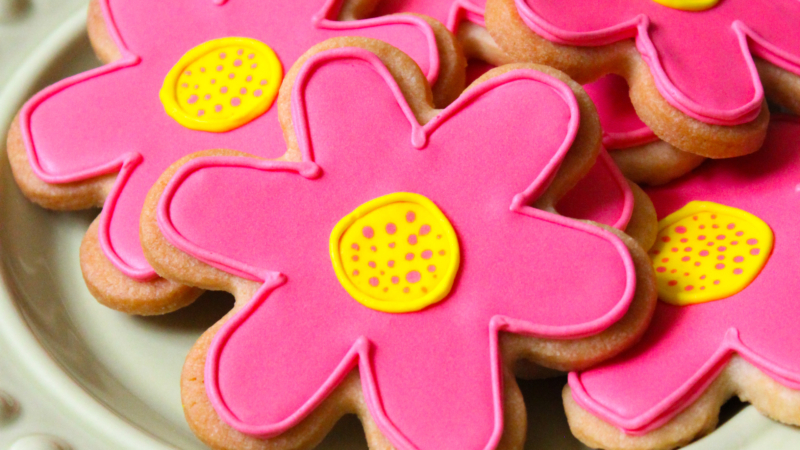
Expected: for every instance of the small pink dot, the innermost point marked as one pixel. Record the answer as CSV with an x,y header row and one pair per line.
x,y
413,276
715,226
686,274
372,264
721,237
687,249
391,244
684,240
218,108
431,268
665,239
239,52
716,281
731,226
200,113
665,260
192,100
695,217
701,238
703,277
236,101
702,288
680,230
263,82
391,228
720,266
737,271
207,97
219,68
704,253
661,269
427,254
710,244
672,283
409,256
243,91
685,258
368,232
405,290
188,73
186,85
223,89
697,264
213,81
412,239
390,263
738,259
203,69
237,63
734,242
222,55
673,271
721,258
232,76
674,249
739,233
373,248
441,252
355,247
355,273
251,56
752,241
411,217
395,280
249,78
688,288
425,229
355,257
197,86
755,251
373,282
702,227
713,216
257,93
722,249
254,66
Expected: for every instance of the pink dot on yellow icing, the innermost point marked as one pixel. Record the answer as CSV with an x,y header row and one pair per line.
x,y
735,267
368,232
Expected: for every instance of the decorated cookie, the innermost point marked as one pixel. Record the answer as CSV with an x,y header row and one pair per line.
x,y
604,195
182,76
726,265
639,153
698,70
376,264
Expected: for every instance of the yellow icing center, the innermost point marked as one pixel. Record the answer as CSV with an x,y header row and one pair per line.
x,y
222,84
688,5
397,253
706,251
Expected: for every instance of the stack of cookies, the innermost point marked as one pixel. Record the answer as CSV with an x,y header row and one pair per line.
x,y
415,202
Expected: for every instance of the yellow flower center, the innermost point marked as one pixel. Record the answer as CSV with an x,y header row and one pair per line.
x,y
688,5
706,251
397,253
222,84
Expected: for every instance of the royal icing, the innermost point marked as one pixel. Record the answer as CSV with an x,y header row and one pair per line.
x,y
603,195
686,347
622,127
431,378
111,119
701,61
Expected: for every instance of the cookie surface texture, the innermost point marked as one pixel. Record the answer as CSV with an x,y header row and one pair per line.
x,y
355,248
730,231
207,79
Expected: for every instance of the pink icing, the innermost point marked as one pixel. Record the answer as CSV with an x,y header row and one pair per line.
x,y
111,120
424,374
622,128
686,347
603,196
701,61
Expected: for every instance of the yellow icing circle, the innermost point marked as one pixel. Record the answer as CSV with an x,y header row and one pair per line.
x,y
222,84
397,253
706,251
688,5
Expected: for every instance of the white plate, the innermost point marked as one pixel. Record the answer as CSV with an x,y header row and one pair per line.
x,y
115,376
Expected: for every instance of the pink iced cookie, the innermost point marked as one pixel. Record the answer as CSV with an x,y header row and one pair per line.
x,y
181,82
604,195
737,299
396,250
697,68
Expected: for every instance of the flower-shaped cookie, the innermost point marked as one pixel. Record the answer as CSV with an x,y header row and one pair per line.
x,y
188,75
700,56
727,267
403,250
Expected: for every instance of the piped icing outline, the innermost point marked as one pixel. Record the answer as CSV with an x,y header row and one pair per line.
x,y
637,28
126,163
359,353
731,343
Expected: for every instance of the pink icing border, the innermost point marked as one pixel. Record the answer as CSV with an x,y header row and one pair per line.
x,y
627,211
126,163
688,393
465,10
309,169
637,28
